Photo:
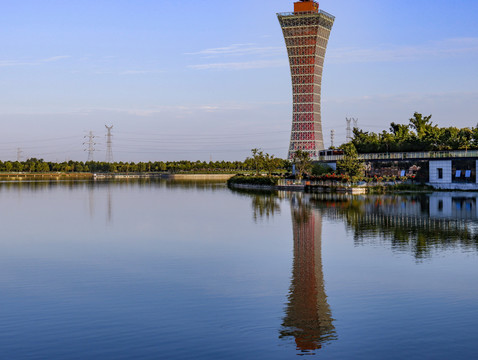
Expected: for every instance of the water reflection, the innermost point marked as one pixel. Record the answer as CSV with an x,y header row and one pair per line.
x,y
308,317
177,270
418,224
91,202
109,201
265,204
134,183
100,193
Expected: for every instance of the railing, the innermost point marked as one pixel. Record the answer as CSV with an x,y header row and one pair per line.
x,y
407,155
306,13
334,183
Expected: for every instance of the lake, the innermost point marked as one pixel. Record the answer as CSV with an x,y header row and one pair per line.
x,y
160,269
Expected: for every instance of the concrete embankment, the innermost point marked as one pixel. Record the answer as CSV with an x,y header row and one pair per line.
x,y
268,187
92,176
338,189
306,188
99,176
218,177
44,176
224,177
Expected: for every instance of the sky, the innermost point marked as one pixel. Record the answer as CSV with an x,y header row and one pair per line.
x,y
202,80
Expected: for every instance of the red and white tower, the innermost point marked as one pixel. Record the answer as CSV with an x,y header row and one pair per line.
x,y
306,33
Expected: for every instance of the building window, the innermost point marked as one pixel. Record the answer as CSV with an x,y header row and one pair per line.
x,y
440,173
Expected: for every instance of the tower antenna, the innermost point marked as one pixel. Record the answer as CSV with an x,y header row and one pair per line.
x,y
109,142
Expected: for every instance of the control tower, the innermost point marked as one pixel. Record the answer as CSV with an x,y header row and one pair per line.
x,y
306,33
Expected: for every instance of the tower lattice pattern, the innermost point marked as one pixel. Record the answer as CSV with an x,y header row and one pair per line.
x,y
306,33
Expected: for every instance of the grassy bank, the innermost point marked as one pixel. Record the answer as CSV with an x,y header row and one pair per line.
x,y
384,189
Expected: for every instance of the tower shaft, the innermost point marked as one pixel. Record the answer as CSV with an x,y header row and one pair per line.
x,y
306,33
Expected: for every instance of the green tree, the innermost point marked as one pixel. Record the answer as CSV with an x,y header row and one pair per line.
x,y
141,167
420,124
321,169
43,167
303,163
111,167
350,164
257,159
270,164
17,166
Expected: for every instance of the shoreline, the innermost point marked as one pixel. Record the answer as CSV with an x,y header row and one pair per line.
x,y
19,177
300,188
309,188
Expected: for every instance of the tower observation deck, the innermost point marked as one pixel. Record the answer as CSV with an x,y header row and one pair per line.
x,y
306,33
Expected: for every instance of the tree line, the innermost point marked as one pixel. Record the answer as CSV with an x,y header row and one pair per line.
x,y
34,165
419,135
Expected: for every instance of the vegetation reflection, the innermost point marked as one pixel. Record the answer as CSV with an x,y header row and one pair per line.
x,y
419,224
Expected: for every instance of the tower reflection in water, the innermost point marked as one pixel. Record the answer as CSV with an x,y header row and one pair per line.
x,y
308,317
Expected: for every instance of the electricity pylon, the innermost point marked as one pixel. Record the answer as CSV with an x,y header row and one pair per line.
x,y
109,150
91,145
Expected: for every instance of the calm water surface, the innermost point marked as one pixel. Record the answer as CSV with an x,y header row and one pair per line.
x,y
178,270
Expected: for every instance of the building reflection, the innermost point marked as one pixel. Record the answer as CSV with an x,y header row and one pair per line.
x,y
308,317
419,224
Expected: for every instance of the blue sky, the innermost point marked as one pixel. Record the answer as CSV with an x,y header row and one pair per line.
x,y
210,79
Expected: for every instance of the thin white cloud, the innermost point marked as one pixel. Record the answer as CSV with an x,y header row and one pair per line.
x,y
388,53
7,63
56,58
240,50
245,65
134,72
276,56
241,57
176,110
405,98
139,72
438,49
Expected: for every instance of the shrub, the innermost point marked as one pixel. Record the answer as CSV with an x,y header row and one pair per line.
x,y
321,169
252,180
